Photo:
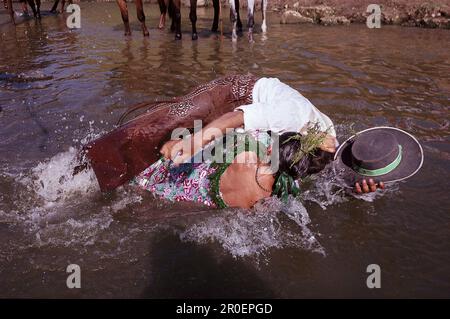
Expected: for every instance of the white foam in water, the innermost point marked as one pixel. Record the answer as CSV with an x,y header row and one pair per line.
x,y
243,233
62,208
125,200
58,208
328,189
53,180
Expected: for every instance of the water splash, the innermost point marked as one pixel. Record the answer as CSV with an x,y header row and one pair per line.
x,y
242,233
55,207
65,210
53,181
329,188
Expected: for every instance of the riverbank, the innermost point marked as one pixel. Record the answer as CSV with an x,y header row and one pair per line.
x,y
411,13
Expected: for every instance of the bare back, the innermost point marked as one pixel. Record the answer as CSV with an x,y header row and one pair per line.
x,y
238,184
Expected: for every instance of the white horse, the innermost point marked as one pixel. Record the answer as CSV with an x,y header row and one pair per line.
x,y
234,15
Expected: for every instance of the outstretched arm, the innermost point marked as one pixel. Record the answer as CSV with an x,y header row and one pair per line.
x,y
182,150
188,147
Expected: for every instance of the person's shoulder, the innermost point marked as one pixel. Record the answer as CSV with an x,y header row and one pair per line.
x,y
246,157
268,80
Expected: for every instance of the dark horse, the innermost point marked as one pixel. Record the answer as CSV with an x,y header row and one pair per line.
x,y
173,8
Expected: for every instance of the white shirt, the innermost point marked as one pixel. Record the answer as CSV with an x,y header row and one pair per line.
x,y
279,108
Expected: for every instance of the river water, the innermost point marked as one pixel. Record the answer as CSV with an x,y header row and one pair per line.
x,y
61,88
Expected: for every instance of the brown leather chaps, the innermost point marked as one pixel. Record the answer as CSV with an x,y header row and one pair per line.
x,y
126,151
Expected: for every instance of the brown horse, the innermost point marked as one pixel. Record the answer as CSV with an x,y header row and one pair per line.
x,y
140,15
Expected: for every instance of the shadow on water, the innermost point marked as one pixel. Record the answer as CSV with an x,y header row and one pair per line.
x,y
189,270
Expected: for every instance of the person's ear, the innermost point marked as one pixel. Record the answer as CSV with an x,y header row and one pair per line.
x,y
328,144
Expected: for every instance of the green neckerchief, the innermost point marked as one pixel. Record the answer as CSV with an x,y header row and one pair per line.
x,y
285,185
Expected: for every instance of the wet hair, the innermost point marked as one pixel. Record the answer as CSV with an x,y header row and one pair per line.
x,y
307,165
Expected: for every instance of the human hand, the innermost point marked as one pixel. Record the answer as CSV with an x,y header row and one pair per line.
x,y
171,148
365,187
178,151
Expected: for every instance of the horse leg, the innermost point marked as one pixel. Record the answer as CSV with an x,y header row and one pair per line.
x,y
239,22
10,10
193,17
33,7
233,18
250,19
171,12
55,6
215,26
141,16
24,5
177,18
38,8
163,4
263,11
124,12
63,3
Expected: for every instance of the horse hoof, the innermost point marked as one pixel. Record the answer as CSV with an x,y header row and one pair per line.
x,y
127,33
194,36
264,28
239,26
162,22
177,36
214,28
146,33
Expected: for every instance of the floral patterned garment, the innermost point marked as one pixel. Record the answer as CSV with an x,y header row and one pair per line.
x,y
193,186
188,182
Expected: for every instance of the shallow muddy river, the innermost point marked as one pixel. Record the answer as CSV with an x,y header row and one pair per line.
x,y
61,88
